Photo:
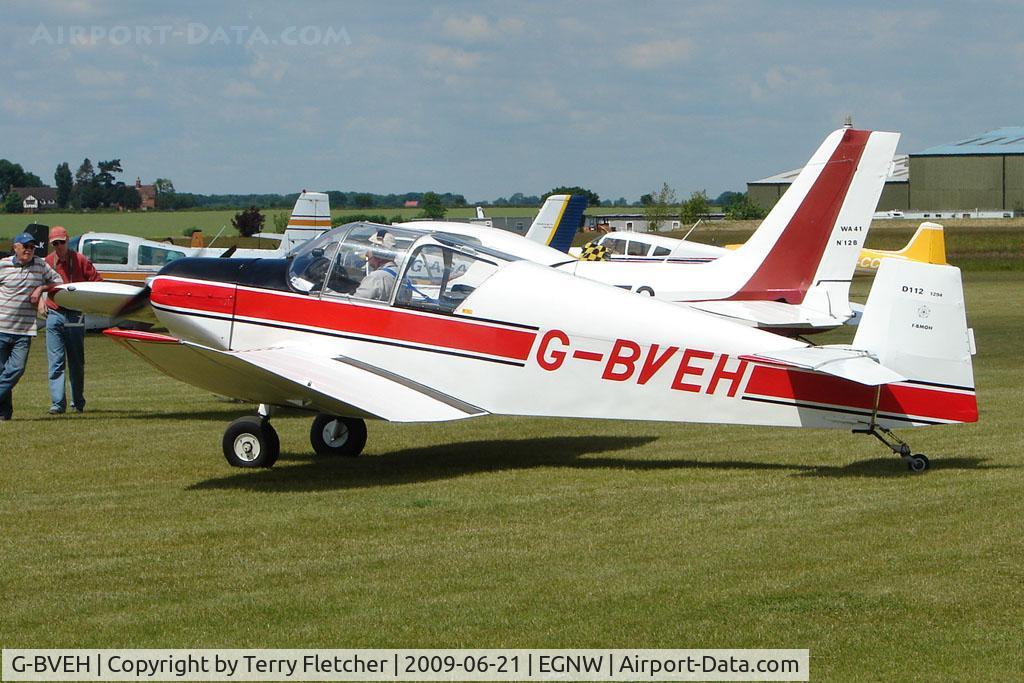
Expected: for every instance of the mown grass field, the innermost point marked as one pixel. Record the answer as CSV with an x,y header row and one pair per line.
x,y
161,224
124,527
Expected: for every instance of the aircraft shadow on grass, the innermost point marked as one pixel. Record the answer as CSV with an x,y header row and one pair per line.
x,y
412,465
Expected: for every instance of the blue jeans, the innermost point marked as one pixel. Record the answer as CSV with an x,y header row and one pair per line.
x,y
65,340
13,357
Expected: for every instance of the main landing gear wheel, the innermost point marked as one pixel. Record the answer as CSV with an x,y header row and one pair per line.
x,y
251,441
917,462
332,435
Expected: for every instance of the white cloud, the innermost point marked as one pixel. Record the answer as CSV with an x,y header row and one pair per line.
x,y
470,29
241,89
21,106
657,53
476,28
451,57
784,81
93,77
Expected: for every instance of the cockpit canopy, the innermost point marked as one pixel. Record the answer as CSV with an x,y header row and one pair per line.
x,y
342,255
410,268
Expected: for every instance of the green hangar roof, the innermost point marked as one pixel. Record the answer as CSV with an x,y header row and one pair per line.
x,y
1008,140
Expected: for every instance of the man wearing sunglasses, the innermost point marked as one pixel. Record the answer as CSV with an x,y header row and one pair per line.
x,y
22,279
65,328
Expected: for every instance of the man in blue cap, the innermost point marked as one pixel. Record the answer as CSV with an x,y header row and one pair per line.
x,y
23,277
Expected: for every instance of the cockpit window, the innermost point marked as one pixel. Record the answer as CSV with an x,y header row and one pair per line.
x,y
308,269
439,278
615,246
337,262
636,248
106,252
156,256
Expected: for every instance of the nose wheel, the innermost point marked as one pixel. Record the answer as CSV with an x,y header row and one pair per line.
x,y
251,441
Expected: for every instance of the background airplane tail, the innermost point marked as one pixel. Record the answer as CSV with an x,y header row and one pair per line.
x,y
813,235
310,218
928,244
559,220
915,324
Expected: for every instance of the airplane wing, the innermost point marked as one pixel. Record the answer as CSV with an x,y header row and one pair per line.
x,y
848,363
303,377
769,314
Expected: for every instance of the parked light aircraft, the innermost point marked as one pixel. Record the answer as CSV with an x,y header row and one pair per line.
x,y
927,245
793,275
469,330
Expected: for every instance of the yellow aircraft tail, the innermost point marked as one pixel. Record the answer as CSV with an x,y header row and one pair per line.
x,y
928,245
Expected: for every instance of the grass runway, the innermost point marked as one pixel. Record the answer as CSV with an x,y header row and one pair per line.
x,y
124,527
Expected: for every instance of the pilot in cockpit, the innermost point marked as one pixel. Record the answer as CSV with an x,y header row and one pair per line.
x,y
381,258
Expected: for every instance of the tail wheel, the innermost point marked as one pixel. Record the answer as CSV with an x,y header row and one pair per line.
x,y
251,441
332,435
918,462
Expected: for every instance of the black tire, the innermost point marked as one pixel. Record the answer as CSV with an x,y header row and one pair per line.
x,y
332,435
918,462
251,441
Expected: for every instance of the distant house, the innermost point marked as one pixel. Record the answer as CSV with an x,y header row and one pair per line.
x,y
35,199
147,193
411,204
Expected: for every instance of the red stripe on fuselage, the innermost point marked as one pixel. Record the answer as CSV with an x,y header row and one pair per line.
x,y
347,318
788,270
900,399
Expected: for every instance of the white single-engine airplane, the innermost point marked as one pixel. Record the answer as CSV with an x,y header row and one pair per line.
x,y
468,330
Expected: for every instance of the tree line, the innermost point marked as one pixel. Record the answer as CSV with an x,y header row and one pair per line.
x,y
96,187
661,206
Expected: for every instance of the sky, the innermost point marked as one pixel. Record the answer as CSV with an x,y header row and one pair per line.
x,y
486,99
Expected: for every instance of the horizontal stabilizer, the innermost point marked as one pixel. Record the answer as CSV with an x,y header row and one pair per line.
x,y
769,314
840,361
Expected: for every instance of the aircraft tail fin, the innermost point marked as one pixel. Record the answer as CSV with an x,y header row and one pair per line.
x,y
928,245
558,222
915,324
310,218
813,235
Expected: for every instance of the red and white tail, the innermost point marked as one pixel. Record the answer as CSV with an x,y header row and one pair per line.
x,y
807,246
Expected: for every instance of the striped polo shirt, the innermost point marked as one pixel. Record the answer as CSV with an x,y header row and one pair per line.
x,y
17,312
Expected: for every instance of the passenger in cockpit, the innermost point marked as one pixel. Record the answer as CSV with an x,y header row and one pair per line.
x,y
381,281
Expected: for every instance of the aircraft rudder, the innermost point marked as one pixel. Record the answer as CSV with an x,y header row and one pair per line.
x,y
928,244
915,323
310,217
786,252
558,221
